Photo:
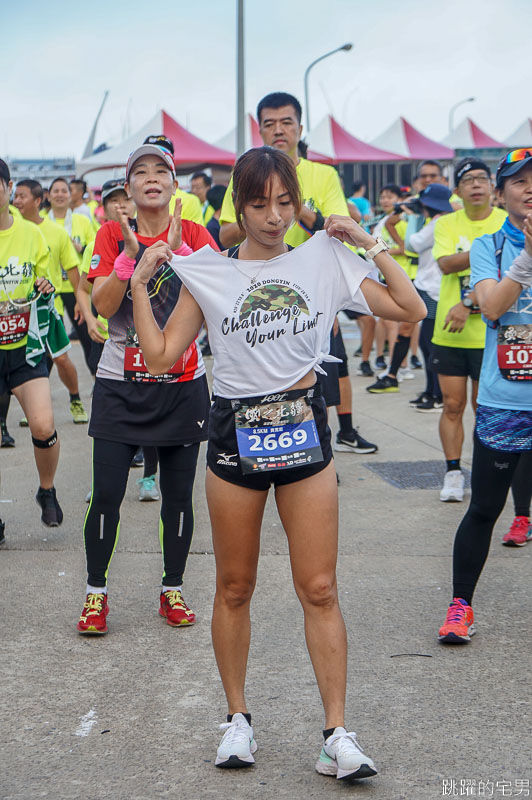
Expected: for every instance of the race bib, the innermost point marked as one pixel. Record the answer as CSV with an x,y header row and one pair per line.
x,y
514,352
277,436
13,327
135,368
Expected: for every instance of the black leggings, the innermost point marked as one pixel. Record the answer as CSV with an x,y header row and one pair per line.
x,y
491,477
432,386
111,463
69,301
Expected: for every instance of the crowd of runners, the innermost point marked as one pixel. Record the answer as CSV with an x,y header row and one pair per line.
x,y
152,279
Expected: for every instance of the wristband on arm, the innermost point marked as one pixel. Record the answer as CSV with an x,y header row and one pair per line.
x,y
319,223
184,250
124,266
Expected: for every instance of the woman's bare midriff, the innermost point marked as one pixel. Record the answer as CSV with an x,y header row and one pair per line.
x,y
305,382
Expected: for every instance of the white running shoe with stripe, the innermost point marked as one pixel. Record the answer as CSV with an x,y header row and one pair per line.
x,y
342,757
238,745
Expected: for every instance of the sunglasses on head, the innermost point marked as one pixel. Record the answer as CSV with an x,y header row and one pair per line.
x,y
518,155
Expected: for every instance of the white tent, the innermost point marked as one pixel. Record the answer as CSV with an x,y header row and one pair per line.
x,y
468,136
251,136
522,137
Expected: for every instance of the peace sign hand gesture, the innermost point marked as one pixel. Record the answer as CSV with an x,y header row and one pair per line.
x,y
174,233
131,245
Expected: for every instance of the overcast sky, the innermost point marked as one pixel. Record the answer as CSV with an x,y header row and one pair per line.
x,y
414,58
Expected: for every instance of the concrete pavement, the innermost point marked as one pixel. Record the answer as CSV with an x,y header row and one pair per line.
x,y
134,714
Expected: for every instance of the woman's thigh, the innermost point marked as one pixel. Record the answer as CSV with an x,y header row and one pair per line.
x,y
236,518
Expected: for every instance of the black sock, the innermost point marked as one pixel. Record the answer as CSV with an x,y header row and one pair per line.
x,y
346,423
399,352
328,732
74,397
244,714
453,463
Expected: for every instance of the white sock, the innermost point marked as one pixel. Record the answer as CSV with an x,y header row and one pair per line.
x,y
96,589
171,588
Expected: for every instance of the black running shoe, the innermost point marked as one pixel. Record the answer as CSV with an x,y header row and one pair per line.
x,y
353,442
7,439
138,458
365,370
52,515
384,385
415,363
419,399
428,405
380,363
358,352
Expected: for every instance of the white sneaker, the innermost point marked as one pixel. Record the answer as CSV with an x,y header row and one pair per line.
x,y
148,488
405,374
453,487
341,756
238,745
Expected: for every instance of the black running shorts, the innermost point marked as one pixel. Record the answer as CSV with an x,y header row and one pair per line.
x,y
15,370
222,449
459,362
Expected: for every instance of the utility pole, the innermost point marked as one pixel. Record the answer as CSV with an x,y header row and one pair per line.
x,y
240,111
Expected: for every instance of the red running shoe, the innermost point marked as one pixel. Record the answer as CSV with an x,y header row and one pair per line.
x,y
174,608
93,616
519,534
458,627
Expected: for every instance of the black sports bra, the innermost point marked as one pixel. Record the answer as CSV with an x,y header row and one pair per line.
x,y
233,251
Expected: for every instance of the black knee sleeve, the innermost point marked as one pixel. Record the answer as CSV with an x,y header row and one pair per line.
x,y
44,444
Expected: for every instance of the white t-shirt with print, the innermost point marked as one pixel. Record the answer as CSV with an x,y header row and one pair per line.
x,y
268,333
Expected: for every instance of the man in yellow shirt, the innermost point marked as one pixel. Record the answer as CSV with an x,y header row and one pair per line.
x,y
459,332
24,261
81,232
200,183
279,116
63,259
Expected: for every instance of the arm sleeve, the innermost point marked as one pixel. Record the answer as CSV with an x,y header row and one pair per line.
x,y
482,260
351,272
68,255
228,210
105,251
444,244
422,240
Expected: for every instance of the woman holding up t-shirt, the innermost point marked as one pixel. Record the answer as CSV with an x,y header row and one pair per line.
x,y
269,313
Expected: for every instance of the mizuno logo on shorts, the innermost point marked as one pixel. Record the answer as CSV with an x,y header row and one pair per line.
x,y
225,460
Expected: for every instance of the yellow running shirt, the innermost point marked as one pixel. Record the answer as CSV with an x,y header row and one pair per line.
x,y
320,189
82,233
24,256
190,206
84,268
63,255
455,233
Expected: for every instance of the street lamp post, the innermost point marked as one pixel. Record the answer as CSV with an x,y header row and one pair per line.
x,y
453,109
345,47
240,111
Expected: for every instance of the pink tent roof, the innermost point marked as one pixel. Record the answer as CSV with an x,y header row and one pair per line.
x,y
191,152
468,136
411,144
329,138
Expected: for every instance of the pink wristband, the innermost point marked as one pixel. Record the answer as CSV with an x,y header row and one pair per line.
x,y
184,250
124,266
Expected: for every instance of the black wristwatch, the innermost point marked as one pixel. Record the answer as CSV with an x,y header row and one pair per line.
x,y
319,222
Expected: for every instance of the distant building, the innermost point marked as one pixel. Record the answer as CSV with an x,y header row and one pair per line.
x,y
43,170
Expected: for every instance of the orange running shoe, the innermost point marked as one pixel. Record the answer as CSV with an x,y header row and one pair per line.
x,y
93,616
174,608
458,627
519,534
